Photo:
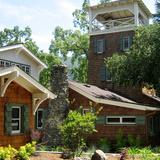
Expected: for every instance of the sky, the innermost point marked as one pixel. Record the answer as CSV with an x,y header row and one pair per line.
x,y
42,16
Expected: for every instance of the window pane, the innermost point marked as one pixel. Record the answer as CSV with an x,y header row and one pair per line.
x,y
15,113
15,125
129,120
100,46
113,120
40,119
126,42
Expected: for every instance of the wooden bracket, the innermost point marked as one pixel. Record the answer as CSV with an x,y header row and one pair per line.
x,y
5,83
37,99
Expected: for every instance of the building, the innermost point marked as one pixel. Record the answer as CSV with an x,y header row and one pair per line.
x,y
22,98
111,31
117,113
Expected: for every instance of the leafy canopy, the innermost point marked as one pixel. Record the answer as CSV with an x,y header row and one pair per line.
x,y
74,43
140,65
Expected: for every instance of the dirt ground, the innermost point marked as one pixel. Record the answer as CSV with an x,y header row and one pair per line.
x,y
49,156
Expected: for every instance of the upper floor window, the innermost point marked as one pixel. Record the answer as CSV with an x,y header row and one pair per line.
x,y
126,42
24,67
99,46
105,74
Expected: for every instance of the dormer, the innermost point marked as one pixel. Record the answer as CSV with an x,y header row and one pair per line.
x,y
18,55
117,16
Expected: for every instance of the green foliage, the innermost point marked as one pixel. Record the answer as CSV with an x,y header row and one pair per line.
x,y
156,16
26,151
72,42
7,153
134,141
120,140
140,65
75,129
104,145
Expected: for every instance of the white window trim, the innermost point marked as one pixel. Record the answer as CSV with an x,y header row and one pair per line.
x,y
121,120
100,40
40,109
126,49
86,109
20,118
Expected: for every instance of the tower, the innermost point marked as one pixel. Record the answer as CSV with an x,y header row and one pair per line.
x,y
111,29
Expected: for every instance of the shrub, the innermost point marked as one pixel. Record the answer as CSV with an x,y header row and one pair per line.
x,y
134,141
7,153
120,140
75,130
104,145
26,151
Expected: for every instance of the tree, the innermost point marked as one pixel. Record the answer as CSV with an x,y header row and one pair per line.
x,y
75,129
74,43
140,65
16,36
157,14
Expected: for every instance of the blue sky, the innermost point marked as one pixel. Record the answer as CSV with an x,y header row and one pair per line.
x,y
42,16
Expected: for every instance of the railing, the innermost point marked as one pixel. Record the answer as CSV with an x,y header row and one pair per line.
x,y
24,67
110,24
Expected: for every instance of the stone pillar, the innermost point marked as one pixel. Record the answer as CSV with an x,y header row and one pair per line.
x,y
58,108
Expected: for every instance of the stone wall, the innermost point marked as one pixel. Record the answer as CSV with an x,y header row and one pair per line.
x,y
58,108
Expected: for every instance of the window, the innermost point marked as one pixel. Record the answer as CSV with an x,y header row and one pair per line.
x,y
99,46
86,111
126,43
16,119
121,120
6,63
104,74
39,118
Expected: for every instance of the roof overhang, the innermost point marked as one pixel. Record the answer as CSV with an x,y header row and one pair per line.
x,y
21,47
111,102
14,74
122,2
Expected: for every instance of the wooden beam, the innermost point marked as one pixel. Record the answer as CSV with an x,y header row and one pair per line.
x,y
4,84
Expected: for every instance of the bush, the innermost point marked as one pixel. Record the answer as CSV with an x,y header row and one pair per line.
x,y
104,145
75,130
134,141
120,140
7,153
26,151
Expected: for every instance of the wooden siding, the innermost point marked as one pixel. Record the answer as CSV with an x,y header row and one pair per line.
x,y
109,131
17,95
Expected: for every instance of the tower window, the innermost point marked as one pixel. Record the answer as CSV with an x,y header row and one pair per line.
x,y
126,43
99,46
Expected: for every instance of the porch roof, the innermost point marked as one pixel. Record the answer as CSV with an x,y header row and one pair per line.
x,y
101,96
39,92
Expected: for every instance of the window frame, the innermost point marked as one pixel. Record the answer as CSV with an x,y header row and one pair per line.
x,y
121,120
124,48
40,109
102,41
19,119
86,110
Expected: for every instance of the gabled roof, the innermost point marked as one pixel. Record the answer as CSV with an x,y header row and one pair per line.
x,y
122,2
15,74
101,96
26,51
